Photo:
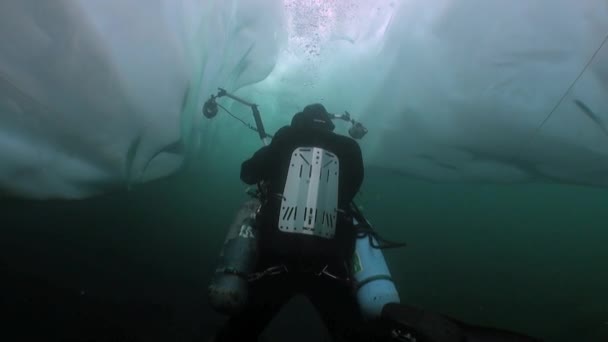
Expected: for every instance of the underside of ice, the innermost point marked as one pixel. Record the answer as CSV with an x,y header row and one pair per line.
x,y
98,95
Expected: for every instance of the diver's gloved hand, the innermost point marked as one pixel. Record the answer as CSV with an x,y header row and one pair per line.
x,y
402,323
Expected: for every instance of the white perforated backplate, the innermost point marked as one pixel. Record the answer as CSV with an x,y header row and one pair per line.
x,y
310,197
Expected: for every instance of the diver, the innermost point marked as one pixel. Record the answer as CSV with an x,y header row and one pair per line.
x,y
305,236
301,233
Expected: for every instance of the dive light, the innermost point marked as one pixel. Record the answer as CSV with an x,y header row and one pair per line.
x,y
210,110
357,130
210,107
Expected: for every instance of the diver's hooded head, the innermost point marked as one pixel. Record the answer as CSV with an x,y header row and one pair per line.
x,y
313,116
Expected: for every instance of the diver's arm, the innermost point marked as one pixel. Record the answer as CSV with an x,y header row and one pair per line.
x,y
253,169
256,168
357,171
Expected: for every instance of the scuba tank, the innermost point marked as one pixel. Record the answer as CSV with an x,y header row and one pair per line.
x,y
228,290
373,283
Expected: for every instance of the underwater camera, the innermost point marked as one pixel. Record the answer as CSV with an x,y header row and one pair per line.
x,y
210,110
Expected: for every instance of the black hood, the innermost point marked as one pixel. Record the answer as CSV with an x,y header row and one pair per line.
x,y
313,116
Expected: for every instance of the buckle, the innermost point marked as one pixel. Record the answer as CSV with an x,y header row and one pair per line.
x,y
325,272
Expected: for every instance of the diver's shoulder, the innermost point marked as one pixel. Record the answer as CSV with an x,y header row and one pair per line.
x,y
347,140
282,132
346,144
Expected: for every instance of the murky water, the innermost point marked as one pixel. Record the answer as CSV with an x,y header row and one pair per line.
x,y
529,257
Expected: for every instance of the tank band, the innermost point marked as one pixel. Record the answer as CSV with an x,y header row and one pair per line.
x,y
370,279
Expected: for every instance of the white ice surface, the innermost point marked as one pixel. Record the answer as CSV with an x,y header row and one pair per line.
x,y
91,91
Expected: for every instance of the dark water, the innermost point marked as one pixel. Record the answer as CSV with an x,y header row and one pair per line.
x,y
134,266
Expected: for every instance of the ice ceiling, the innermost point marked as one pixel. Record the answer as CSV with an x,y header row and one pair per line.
x,y
99,94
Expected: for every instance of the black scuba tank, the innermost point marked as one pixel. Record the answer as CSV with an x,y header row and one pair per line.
x,y
228,290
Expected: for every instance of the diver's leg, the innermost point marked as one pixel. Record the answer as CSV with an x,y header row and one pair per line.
x,y
266,297
338,307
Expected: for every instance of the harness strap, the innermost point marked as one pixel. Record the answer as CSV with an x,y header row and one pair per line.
x,y
274,270
281,269
233,271
325,272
